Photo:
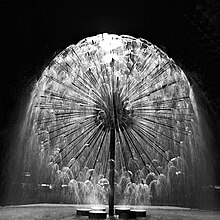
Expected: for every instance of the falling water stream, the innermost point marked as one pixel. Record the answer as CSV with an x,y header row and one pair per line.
x,y
113,85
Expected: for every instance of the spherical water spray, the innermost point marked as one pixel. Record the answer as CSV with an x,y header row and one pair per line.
x,y
113,117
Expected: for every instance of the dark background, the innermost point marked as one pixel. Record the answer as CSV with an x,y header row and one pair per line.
x,y
33,32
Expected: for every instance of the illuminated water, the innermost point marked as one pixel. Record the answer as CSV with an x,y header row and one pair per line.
x,y
162,139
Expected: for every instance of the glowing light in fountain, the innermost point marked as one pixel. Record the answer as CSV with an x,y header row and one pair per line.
x,y
113,82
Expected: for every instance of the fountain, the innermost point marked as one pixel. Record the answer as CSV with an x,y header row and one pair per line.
x,y
113,120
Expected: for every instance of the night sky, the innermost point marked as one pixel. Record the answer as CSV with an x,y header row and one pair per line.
x,y
33,32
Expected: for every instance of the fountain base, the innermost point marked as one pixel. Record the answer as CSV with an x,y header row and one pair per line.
x,y
127,213
83,212
122,210
120,213
137,213
97,214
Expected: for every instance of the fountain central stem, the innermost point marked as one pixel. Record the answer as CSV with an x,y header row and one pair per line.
x,y
112,172
112,154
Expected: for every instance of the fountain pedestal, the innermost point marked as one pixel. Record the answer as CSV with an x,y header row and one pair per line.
x,y
83,212
120,213
97,214
112,172
137,213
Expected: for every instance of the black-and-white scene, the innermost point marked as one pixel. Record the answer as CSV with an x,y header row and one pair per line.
x,y
110,110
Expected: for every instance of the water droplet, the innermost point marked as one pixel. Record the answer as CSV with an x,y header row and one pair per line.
x,y
86,145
